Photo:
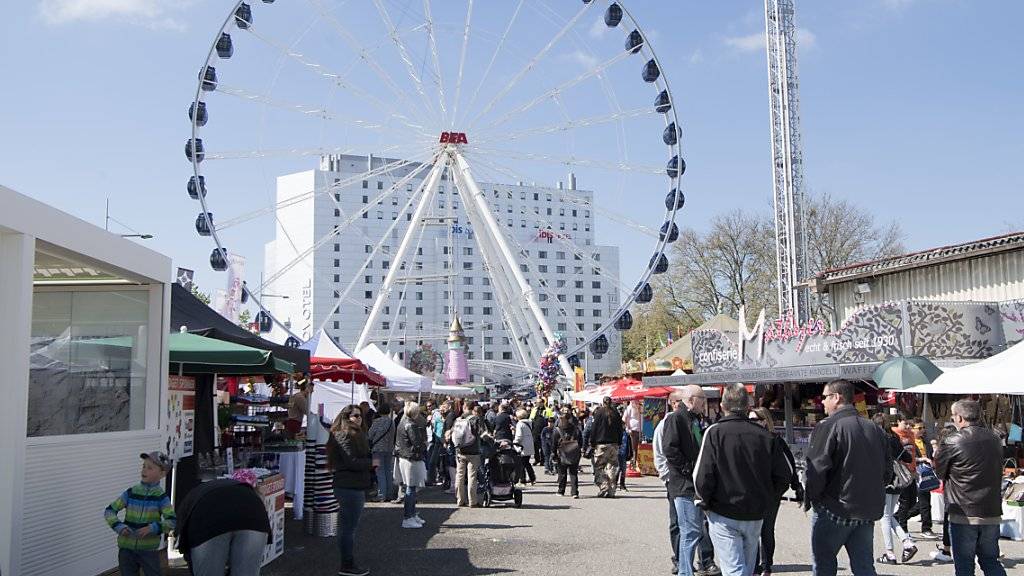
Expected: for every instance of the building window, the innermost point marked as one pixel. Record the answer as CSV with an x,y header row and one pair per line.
x,y
419,295
561,211
467,265
419,311
337,278
467,310
368,279
488,355
337,247
536,196
368,294
596,284
506,355
549,212
542,268
597,298
597,256
467,280
380,214
365,185
561,297
467,251
560,283
486,281
542,254
487,311
394,215
380,185
542,297
365,212
579,298
560,269
579,313
337,212
488,296
596,313
467,295
385,325
578,284
337,325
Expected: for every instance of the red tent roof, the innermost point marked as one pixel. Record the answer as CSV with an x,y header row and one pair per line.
x,y
344,370
624,390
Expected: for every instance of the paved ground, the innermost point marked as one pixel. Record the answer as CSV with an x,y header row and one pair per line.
x,y
550,535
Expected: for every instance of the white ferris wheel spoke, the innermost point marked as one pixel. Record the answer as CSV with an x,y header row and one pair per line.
x,y
566,126
435,59
427,192
494,57
533,62
294,152
462,60
334,77
323,113
367,56
343,296
557,90
403,52
337,230
611,165
309,195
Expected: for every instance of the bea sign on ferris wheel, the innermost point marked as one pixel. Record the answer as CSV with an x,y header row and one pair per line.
x,y
453,138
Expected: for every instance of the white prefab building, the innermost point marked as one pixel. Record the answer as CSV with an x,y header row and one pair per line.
x,y
576,282
75,416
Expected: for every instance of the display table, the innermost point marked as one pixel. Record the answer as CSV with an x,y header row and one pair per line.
x,y
1012,526
293,468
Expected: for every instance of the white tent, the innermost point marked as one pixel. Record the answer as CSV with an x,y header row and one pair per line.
x,y
456,391
336,395
999,374
323,346
399,378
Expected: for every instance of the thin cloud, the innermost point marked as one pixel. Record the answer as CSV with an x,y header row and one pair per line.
x,y
897,5
697,56
598,29
159,14
805,40
585,59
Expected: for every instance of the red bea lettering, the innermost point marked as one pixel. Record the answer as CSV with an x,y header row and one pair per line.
x,y
453,138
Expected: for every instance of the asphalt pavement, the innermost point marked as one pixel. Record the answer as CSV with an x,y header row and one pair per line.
x,y
552,535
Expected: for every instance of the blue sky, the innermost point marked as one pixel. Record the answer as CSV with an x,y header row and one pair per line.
x,y
910,108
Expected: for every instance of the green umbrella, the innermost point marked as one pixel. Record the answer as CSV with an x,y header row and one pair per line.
x,y
905,372
194,354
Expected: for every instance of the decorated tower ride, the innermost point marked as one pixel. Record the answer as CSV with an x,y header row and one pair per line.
x,y
456,369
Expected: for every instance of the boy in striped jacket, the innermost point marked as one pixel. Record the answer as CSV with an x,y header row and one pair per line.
x,y
148,515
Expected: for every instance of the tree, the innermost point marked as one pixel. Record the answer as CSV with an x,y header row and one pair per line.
x,y
202,296
245,318
733,263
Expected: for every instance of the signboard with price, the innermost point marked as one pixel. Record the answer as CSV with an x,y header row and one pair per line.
x,y
181,411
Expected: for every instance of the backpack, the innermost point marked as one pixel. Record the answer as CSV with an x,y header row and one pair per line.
x,y
462,433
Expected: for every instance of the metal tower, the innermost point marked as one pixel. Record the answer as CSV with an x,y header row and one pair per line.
x,y
787,159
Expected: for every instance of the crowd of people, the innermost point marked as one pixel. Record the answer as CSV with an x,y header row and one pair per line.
x,y
724,480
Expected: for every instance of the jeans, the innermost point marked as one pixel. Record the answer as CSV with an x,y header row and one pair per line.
x,y
975,541
828,537
673,529
573,472
735,543
890,526
132,562
466,479
351,503
410,501
622,472
908,504
242,549
385,475
433,456
924,508
690,520
549,465
766,551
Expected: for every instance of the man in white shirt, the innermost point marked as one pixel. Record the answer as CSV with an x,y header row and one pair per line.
x,y
631,420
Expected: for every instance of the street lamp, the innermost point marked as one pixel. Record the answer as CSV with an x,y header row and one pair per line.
x,y
139,236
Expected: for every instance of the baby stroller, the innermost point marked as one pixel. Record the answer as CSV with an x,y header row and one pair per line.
x,y
500,470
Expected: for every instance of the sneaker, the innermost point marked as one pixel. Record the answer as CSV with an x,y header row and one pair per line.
x,y
418,519
886,559
411,523
908,553
712,570
941,555
353,570
929,535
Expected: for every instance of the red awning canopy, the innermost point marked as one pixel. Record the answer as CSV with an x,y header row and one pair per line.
x,y
344,370
623,390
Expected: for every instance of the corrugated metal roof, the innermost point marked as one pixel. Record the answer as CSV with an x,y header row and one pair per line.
x,y
1014,241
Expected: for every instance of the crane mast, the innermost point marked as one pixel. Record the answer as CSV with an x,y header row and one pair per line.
x,y
787,160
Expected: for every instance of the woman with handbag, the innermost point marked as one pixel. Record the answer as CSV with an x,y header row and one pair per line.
x,y
411,446
566,442
382,445
902,478
348,456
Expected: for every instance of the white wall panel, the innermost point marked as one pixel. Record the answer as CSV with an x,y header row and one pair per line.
x,y
69,480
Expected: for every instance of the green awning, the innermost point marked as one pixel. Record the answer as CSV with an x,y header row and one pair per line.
x,y
194,354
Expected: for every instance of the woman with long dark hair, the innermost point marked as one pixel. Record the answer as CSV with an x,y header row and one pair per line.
x,y
382,446
348,455
566,451
890,525
766,548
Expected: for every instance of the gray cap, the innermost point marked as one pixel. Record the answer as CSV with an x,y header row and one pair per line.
x,y
158,458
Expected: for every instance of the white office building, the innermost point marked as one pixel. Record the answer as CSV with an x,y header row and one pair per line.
x,y
334,280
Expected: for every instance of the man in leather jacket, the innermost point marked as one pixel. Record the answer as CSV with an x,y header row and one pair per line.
x,y
969,462
848,467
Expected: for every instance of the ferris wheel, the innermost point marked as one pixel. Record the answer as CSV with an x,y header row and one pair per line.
x,y
396,162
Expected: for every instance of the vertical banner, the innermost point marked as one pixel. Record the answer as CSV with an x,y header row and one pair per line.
x,y
181,410
579,381
236,273
653,411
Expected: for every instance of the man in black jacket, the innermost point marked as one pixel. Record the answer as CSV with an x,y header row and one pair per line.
x,y
679,448
970,463
848,467
503,424
605,437
741,471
